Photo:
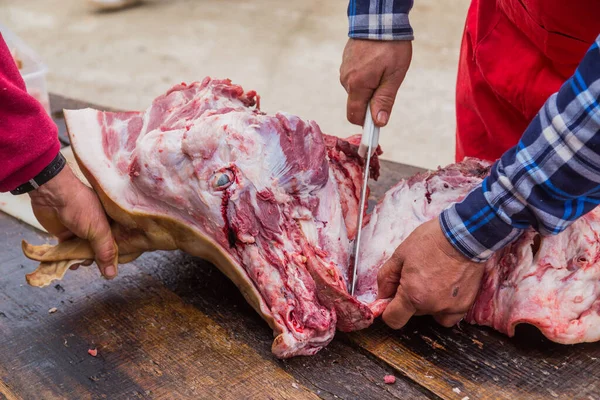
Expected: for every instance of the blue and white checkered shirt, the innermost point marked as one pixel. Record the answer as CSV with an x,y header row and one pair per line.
x,y
380,19
547,181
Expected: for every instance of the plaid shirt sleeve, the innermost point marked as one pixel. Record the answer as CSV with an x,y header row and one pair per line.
x,y
547,181
380,19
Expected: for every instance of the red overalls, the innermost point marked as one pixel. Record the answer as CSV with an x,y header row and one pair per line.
x,y
514,55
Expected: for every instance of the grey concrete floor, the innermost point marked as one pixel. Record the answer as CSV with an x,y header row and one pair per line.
x,y
288,51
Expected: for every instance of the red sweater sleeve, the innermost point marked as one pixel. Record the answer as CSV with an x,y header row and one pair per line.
x,y
28,136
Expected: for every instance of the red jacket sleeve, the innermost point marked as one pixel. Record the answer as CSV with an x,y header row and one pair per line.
x,y
28,136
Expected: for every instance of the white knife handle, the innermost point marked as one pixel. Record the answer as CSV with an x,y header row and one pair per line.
x,y
370,131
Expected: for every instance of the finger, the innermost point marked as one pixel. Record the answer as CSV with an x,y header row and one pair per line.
x,y
388,277
399,311
358,98
85,264
448,320
105,249
384,97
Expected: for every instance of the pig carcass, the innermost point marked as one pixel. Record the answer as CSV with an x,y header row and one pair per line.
x,y
272,202
268,199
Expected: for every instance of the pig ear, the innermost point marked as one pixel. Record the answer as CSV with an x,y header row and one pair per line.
x,y
48,272
69,250
56,260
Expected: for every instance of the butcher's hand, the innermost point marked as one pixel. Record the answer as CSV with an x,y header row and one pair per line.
x,y
373,71
428,276
67,208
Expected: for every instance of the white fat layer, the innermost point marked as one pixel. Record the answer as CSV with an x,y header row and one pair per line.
x,y
86,139
309,230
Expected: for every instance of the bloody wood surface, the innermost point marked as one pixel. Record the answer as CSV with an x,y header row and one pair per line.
x,y
172,326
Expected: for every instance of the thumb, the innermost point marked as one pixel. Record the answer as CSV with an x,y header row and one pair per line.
x,y
399,311
383,99
449,320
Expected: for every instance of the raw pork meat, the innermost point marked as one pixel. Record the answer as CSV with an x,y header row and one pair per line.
x,y
551,282
273,202
406,206
269,199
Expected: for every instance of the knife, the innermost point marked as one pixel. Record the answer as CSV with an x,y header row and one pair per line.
x,y
368,145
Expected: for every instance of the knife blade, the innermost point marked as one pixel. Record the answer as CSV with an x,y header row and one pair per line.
x,y
368,145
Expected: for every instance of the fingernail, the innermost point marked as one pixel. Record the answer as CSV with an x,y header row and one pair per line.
x,y
110,271
382,117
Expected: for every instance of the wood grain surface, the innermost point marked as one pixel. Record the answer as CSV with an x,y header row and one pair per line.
x,y
170,327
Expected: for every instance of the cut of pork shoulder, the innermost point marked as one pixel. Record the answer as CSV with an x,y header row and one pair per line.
x,y
268,199
551,282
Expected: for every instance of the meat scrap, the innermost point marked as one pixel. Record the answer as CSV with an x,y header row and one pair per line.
x,y
272,202
389,379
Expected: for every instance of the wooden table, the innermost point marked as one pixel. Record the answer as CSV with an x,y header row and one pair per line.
x,y
173,327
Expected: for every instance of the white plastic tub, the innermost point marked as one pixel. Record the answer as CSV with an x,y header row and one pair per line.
x,y
32,69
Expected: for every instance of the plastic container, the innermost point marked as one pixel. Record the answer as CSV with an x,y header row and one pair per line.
x,y
32,69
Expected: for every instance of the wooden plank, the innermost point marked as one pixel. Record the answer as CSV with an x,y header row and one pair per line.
x,y
6,393
478,363
338,370
171,326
